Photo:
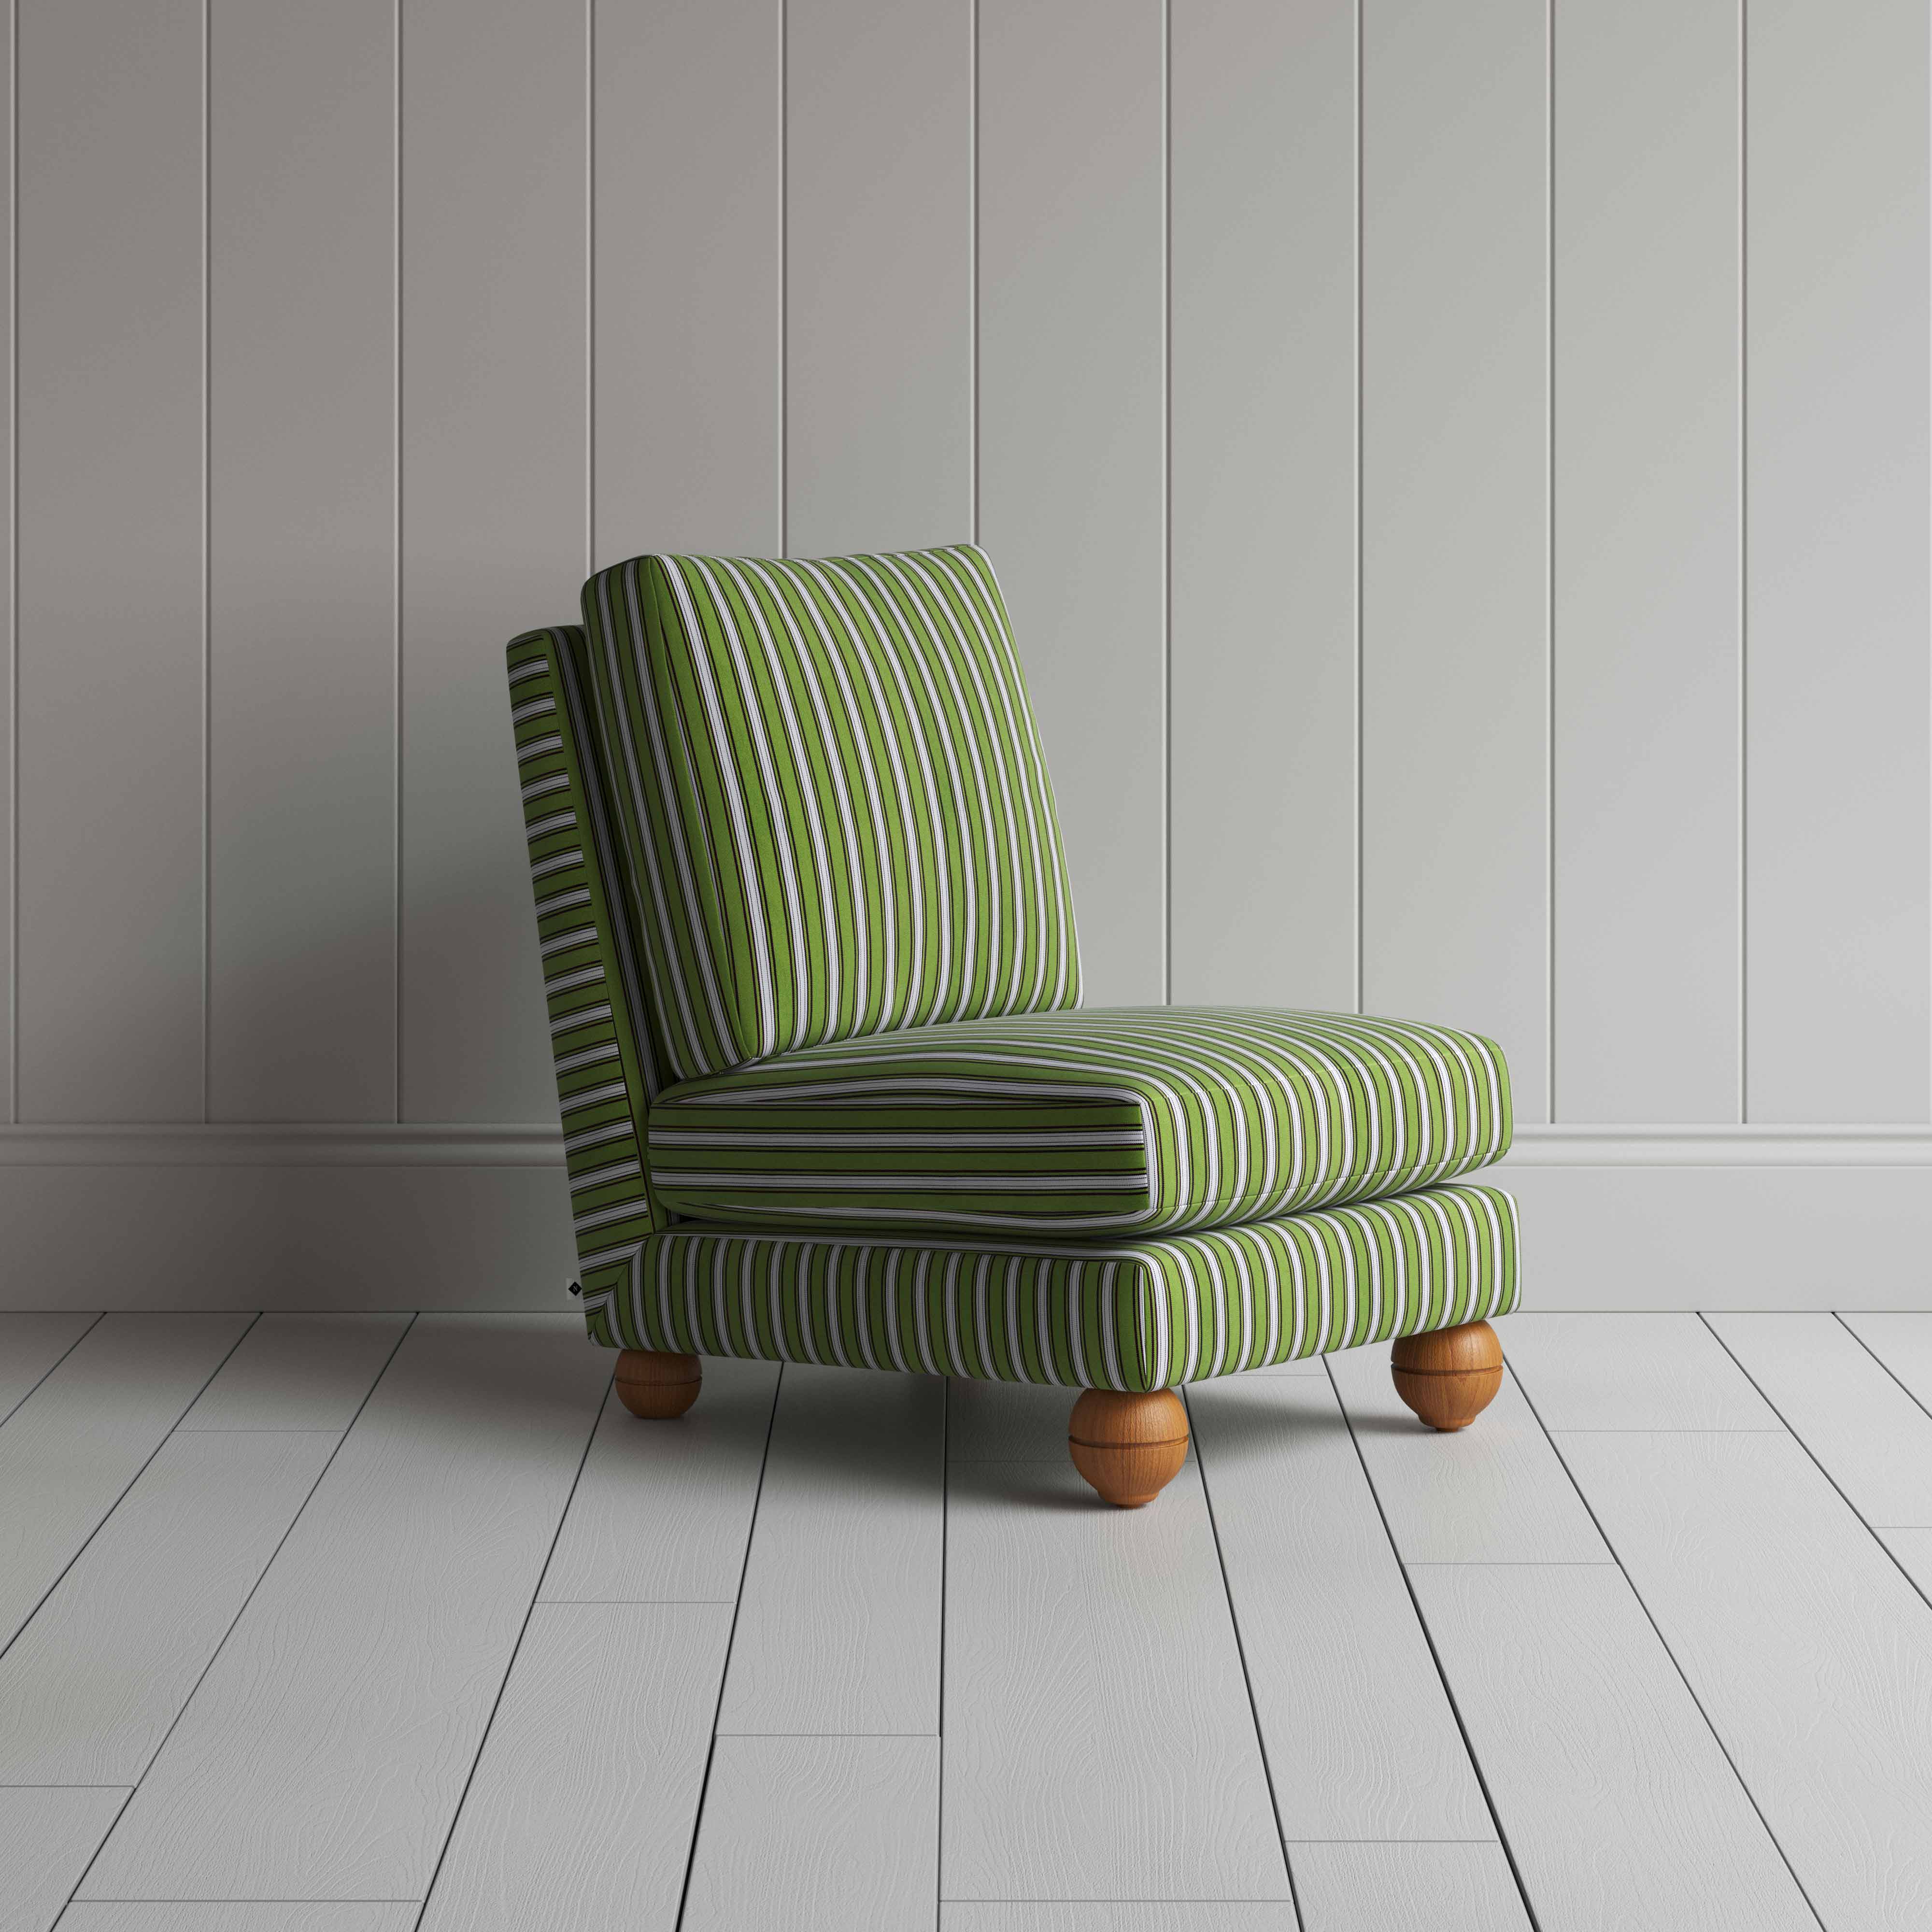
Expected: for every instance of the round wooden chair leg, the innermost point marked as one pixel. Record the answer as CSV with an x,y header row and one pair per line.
x,y
1449,1376
1128,1446
656,1384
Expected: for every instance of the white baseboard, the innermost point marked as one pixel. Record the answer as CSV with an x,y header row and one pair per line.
x,y
349,1217
463,1216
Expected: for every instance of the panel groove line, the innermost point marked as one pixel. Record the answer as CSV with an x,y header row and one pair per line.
x,y
1839,740
1262,452
494,202
1071,315
1454,522
690,94
878,204
1646,520
10,848
302,486
111,364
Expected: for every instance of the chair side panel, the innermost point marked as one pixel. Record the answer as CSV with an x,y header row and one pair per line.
x,y
607,1059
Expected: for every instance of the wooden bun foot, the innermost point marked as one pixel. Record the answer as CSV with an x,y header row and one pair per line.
x,y
1449,1376
655,1385
1128,1446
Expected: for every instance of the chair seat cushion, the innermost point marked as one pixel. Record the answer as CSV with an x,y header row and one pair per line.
x,y
1135,1315
1129,1121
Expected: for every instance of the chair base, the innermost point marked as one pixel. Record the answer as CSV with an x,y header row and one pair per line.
x,y
1129,1447
1450,1376
657,1385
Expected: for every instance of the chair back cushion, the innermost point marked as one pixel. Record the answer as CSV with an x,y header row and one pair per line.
x,y
831,795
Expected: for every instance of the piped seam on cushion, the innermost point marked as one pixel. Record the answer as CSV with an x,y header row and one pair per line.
x,y
1348,1192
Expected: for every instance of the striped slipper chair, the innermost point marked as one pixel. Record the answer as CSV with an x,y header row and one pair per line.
x,y
828,1094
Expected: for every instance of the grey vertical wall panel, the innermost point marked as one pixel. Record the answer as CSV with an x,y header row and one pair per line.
x,y
1072,451
878,261
1837,748
495,520
109,448
686,195
302,560
1454,522
1263,727
1647,524
867,272
7,581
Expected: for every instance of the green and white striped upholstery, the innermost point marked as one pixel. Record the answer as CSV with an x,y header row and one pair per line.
x,y
809,959
602,1037
1135,1315
1119,1122
827,777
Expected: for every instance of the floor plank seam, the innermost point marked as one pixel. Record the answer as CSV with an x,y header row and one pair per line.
x,y
1871,1529
1911,1392
128,1799
1241,1653
41,1601
623,1603
516,1651
241,1609
1435,1657
725,1663
60,1358
1690,1689
183,1428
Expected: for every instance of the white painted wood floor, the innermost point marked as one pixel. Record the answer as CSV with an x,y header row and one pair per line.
x,y
359,1624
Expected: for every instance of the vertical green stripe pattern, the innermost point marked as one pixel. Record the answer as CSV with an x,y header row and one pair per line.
x,y
830,786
